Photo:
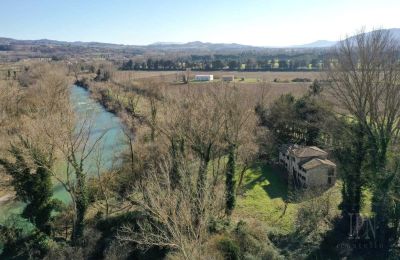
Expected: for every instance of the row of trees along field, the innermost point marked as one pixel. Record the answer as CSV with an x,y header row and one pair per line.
x,y
175,193
230,62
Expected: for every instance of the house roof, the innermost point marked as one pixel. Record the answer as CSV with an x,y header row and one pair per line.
x,y
316,162
308,151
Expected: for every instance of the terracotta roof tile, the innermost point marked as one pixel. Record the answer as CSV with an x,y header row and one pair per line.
x,y
316,162
309,151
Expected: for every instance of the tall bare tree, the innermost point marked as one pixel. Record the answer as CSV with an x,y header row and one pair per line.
x,y
239,131
169,219
366,83
75,142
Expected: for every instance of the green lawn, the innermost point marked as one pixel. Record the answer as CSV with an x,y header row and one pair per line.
x,y
264,198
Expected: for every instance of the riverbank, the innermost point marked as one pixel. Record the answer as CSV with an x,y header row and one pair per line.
x,y
112,145
125,103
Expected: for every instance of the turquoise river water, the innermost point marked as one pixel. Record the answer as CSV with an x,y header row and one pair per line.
x,y
111,144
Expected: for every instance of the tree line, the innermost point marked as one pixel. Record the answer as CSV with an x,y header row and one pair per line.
x,y
228,63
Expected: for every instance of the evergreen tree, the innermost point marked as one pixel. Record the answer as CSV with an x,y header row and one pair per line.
x,y
230,181
33,184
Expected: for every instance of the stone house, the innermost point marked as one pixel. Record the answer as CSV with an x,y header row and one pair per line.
x,y
309,165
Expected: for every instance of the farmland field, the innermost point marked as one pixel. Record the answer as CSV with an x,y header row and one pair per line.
x,y
252,80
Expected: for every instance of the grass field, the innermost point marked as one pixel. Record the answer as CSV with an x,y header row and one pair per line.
x,y
265,199
252,81
249,77
268,76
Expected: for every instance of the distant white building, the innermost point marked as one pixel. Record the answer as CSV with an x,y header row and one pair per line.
x,y
308,165
228,78
204,77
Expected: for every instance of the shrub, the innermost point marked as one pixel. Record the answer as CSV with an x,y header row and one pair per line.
x,y
218,225
301,80
229,248
254,242
25,245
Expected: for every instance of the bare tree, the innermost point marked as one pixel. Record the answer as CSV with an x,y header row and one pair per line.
x,y
75,68
104,185
201,126
169,219
365,80
76,143
239,131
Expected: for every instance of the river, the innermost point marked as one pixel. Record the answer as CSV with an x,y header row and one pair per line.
x,y
111,144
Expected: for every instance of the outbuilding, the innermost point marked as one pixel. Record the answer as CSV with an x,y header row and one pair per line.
x,y
204,77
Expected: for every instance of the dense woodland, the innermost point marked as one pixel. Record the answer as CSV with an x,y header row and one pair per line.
x,y
181,189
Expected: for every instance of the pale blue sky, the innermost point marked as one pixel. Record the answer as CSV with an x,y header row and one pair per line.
x,y
254,22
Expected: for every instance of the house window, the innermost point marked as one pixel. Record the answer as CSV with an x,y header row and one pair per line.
x,y
329,180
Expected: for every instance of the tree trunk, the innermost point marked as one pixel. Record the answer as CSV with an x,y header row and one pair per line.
x,y
201,185
81,207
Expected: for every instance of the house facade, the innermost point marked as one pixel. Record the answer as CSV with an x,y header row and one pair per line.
x,y
204,77
309,165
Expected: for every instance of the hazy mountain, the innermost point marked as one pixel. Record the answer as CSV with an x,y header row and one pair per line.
x,y
157,45
47,48
164,43
317,44
394,31
204,46
47,42
172,45
326,44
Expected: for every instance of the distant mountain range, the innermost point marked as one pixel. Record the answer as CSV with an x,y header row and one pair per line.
x,y
316,44
326,44
10,41
171,45
395,32
13,49
203,46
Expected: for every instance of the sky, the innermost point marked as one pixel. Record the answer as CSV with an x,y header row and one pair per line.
x,y
140,22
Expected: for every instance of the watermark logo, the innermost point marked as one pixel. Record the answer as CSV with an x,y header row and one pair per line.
x,y
362,227
364,233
